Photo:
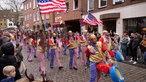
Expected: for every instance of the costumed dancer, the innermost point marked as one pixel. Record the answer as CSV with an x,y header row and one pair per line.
x,y
72,45
48,46
106,40
31,48
77,35
64,44
41,53
94,53
54,44
35,44
83,44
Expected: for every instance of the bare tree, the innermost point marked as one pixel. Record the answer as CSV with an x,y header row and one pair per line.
x,y
1,8
16,7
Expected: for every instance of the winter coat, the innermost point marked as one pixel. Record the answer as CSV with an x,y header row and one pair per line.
x,y
135,44
8,80
19,56
124,44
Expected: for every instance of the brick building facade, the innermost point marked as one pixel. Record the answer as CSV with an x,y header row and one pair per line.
x,y
32,19
117,15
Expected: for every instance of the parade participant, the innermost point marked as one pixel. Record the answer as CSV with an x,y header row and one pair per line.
x,y
64,44
77,35
41,52
31,48
72,45
54,52
106,40
83,44
48,46
94,52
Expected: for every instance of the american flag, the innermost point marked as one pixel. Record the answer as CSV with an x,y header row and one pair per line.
x,y
48,6
90,19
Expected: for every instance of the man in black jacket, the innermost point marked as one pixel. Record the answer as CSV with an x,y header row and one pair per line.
x,y
8,59
135,45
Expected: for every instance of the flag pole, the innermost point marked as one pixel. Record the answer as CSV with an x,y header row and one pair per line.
x,y
42,32
41,17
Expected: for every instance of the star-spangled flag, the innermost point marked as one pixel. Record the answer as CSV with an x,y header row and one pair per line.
x,y
48,6
91,20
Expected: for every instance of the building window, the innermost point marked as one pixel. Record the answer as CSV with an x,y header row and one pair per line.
x,y
67,6
27,6
75,6
27,17
34,4
38,16
102,3
30,5
47,16
43,16
24,7
118,1
30,17
34,16
90,5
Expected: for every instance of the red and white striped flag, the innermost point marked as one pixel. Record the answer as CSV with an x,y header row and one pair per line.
x,y
48,6
90,19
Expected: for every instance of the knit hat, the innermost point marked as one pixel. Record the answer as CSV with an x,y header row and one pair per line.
x,y
8,48
5,39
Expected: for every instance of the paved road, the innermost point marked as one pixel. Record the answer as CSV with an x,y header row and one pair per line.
x,y
131,73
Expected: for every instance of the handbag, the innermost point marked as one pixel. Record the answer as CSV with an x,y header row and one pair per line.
x,y
22,68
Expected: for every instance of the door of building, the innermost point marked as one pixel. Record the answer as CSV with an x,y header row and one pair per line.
x,y
109,25
73,25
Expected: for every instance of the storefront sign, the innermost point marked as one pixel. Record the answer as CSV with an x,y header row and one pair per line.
x,y
58,19
109,15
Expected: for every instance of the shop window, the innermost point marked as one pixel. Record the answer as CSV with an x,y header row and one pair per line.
x,y
67,6
117,1
102,3
135,24
75,6
90,5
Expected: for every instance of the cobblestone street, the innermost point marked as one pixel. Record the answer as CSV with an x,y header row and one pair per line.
x,y
131,73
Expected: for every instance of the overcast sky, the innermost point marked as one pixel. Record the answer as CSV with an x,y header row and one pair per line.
x,y
2,4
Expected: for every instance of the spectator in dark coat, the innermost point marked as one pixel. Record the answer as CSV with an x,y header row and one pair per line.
x,y
3,39
134,46
8,59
